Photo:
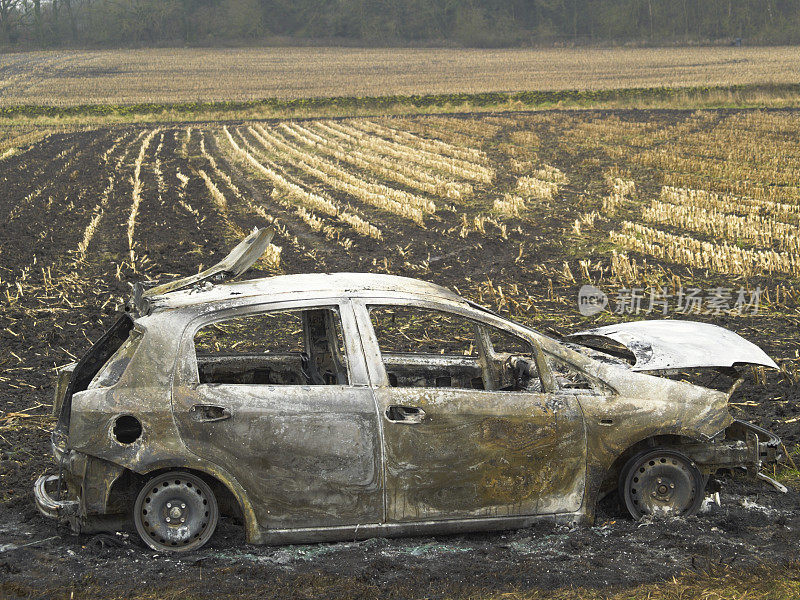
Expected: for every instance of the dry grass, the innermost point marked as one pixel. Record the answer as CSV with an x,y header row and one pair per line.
x,y
185,75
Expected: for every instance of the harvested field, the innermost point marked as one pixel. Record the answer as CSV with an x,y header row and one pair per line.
x,y
515,211
66,78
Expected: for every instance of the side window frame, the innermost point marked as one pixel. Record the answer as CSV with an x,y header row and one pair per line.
x,y
188,374
372,351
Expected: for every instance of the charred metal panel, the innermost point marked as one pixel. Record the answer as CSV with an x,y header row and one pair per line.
x,y
482,454
239,260
646,406
309,456
98,477
63,375
143,392
659,345
90,364
449,527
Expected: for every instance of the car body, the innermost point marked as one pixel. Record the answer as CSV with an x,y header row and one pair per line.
x,y
392,406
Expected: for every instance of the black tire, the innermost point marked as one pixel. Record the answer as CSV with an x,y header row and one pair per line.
x,y
661,481
175,512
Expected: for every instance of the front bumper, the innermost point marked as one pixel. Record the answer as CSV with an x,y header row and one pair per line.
x,y
740,446
762,446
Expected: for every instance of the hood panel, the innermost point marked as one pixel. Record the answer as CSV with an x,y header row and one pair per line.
x,y
659,345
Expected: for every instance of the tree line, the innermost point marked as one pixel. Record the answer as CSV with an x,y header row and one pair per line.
x,y
475,23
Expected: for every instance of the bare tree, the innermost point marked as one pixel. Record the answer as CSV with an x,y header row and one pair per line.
x,y
7,8
37,21
73,26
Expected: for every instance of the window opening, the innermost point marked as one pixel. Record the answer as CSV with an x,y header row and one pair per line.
x,y
429,348
290,347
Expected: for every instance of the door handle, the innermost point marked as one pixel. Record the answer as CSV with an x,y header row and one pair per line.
x,y
209,413
405,414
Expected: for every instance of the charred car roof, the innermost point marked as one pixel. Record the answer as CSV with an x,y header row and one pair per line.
x,y
317,285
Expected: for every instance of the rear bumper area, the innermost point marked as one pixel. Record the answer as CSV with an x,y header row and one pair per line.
x,y
44,490
80,493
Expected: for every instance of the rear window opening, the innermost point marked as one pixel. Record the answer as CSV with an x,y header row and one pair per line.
x,y
92,362
111,372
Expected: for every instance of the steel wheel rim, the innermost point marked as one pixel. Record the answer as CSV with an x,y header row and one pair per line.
x,y
176,512
663,484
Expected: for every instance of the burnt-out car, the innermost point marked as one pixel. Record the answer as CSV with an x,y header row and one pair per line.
x,y
337,406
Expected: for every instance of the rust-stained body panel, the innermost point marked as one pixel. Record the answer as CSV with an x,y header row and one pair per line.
x,y
364,455
483,454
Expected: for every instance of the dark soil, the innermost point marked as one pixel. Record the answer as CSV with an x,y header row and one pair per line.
x,y
46,204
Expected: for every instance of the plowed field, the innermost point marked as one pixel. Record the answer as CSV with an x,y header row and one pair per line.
x,y
516,212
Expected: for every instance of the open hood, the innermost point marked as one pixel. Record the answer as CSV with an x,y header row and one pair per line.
x,y
239,260
661,345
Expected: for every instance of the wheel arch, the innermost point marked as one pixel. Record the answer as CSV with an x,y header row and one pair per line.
x,y
232,495
667,440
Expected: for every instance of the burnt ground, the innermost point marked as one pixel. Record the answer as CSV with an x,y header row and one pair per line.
x,y
64,299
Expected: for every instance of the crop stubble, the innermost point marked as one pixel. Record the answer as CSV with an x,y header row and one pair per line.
x,y
66,78
515,212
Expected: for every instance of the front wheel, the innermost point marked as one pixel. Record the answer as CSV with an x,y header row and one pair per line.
x,y
176,512
661,482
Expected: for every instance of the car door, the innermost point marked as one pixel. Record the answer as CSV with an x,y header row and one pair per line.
x,y
453,447
277,396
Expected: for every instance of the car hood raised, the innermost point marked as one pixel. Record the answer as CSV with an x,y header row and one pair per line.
x,y
665,344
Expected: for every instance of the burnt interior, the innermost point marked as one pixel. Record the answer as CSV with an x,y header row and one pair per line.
x,y
429,348
504,372
315,358
276,369
433,370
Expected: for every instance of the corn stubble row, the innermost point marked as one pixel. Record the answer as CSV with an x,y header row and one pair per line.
x,y
402,203
543,183
774,245
355,158
687,250
759,230
306,199
730,199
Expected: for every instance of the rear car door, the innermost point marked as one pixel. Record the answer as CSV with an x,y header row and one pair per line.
x,y
277,397
463,436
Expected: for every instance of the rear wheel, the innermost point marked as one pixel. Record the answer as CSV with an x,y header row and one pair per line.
x,y
176,512
661,482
